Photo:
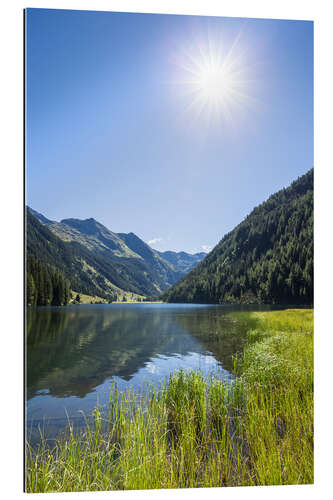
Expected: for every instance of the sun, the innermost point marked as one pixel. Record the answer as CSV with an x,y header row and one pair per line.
x,y
215,78
215,83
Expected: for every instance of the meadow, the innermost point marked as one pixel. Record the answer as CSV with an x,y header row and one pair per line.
x,y
197,432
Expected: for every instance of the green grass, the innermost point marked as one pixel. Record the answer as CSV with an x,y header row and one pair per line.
x,y
194,432
95,299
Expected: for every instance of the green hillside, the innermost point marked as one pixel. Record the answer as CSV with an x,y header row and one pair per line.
x,y
165,271
88,272
45,284
88,233
95,260
267,258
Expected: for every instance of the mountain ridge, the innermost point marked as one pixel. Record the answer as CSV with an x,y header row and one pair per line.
x,y
130,264
182,260
267,258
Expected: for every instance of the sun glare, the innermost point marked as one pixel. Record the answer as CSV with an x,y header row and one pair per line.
x,y
214,83
215,77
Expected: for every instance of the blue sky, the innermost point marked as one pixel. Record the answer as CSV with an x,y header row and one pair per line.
x,y
117,127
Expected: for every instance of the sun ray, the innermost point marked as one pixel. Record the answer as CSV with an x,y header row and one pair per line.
x,y
215,77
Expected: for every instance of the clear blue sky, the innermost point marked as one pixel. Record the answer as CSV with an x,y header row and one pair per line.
x,y
124,125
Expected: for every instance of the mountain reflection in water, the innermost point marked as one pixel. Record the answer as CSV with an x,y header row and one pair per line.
x,y
75,353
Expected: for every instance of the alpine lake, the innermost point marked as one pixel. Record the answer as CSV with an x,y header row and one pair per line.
x,y
76,355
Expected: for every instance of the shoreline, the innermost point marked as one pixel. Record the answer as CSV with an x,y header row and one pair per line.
x,y
199,433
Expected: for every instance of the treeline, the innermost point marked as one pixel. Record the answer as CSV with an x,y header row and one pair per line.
x,y
67,257
268,258
89,272
45,285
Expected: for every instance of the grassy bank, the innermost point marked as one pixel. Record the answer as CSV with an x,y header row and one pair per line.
x,y
193,432
95,299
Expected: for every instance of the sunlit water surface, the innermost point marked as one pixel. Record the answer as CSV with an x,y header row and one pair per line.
x,y
76,353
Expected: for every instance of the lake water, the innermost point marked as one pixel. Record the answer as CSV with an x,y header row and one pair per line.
x,y
76,353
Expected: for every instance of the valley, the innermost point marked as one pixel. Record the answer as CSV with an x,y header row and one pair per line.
x,y
98,262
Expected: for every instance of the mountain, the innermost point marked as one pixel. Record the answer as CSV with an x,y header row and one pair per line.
x,y
96,237
96,260
267,258
88,233
87,272
40,217
182,261
166,272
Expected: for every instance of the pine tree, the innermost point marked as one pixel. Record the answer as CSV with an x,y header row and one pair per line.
x,y
31,290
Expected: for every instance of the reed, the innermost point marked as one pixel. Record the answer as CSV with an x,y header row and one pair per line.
x,y
194,432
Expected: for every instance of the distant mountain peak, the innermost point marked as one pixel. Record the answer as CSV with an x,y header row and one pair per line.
x,y
136,266
182,260
87,226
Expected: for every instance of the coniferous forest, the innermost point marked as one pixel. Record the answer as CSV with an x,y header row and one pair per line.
x,y
98,262
267,258
169,252
52,253
45,285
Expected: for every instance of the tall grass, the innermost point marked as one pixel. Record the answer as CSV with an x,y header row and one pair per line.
x,y
276,382
195,432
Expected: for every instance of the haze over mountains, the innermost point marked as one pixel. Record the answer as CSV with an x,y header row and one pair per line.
x,y
100,262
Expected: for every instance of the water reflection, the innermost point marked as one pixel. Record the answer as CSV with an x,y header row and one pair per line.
x,y
219,330
71,351
75,353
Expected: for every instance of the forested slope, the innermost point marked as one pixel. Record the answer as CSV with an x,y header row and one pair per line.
x,y
95,260
267,258
88,272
